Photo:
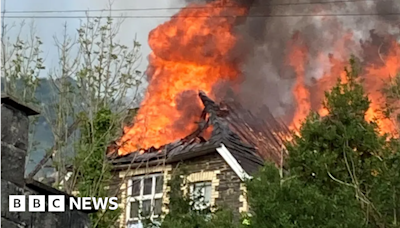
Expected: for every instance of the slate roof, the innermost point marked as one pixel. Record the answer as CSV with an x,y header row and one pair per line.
x,y
242,143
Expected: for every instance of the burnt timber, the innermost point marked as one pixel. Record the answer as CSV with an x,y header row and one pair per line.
x,y
250,140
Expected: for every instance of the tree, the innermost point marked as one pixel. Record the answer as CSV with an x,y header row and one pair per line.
x,y
106,71
94,71
92,87
342,173
289,202
392,93
93,173
21,65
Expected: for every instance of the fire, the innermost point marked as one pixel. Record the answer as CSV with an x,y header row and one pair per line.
x,y
376,75
298,59
190,53
193,51
337,66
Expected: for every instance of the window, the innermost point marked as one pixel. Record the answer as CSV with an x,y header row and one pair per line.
x,y
201,194
144,198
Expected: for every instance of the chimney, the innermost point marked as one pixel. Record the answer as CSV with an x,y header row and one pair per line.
x,y
14,138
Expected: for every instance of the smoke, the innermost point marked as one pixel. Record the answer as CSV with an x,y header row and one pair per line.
x,y
388,6
268,79
189,107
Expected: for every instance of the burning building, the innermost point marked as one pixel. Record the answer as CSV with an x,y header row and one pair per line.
x,y
246,55
265,54
220,155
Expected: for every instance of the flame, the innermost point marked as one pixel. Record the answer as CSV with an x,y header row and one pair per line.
x,y
337,66
192,52
189,53
376,75
297,59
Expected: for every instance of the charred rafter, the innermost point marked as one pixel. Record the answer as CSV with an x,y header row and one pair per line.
x,y
211,107
248,138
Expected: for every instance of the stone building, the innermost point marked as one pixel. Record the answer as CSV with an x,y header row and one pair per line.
x,y
14,146
217,168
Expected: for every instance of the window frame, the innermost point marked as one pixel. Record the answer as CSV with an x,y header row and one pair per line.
x,y
203,190
153,196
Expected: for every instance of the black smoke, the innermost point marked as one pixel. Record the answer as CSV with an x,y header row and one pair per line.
x,y
270,26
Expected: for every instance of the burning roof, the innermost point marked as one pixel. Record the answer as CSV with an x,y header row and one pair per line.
x,y
285,63
223,124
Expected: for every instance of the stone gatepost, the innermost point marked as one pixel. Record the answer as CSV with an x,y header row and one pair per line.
x,y
14,146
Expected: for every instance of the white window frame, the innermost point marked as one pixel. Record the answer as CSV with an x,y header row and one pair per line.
x,y
192,193
152,196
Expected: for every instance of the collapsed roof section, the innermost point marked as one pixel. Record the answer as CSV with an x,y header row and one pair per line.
x,y
248,140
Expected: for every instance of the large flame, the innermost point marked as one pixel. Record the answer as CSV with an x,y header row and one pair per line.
x,y
376,77
297,58
190,53
376,74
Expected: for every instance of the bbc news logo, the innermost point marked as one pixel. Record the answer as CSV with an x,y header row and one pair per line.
x,y
56,203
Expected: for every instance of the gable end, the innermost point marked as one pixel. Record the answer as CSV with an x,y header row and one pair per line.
x,y
233,163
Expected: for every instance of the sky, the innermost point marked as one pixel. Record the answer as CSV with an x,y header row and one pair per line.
x,y
46,28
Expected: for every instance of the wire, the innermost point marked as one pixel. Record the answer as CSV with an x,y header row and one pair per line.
x,y
178,8
222,16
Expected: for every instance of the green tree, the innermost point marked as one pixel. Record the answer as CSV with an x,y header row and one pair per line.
x,y
94,71
93,172
341,172
92,87
107,71
21,65
392,105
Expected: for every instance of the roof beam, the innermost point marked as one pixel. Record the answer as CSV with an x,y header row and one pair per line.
x,y
233,163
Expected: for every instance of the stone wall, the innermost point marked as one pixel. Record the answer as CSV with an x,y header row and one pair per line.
x,y
228,188
14,146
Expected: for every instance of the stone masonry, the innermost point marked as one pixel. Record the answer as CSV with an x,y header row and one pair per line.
x,y
228,188
14,146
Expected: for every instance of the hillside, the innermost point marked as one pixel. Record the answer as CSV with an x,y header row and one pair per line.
x,y
41,133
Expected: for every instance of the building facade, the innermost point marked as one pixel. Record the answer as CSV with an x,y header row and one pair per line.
x,y
217,169
216,175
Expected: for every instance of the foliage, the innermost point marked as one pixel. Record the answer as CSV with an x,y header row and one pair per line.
x,y
21,66
293,203
342,172
95,71
109,68
88,93
392,92
106,72
93,170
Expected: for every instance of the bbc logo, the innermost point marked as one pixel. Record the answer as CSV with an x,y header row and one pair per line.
x,y
56,203
37,203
